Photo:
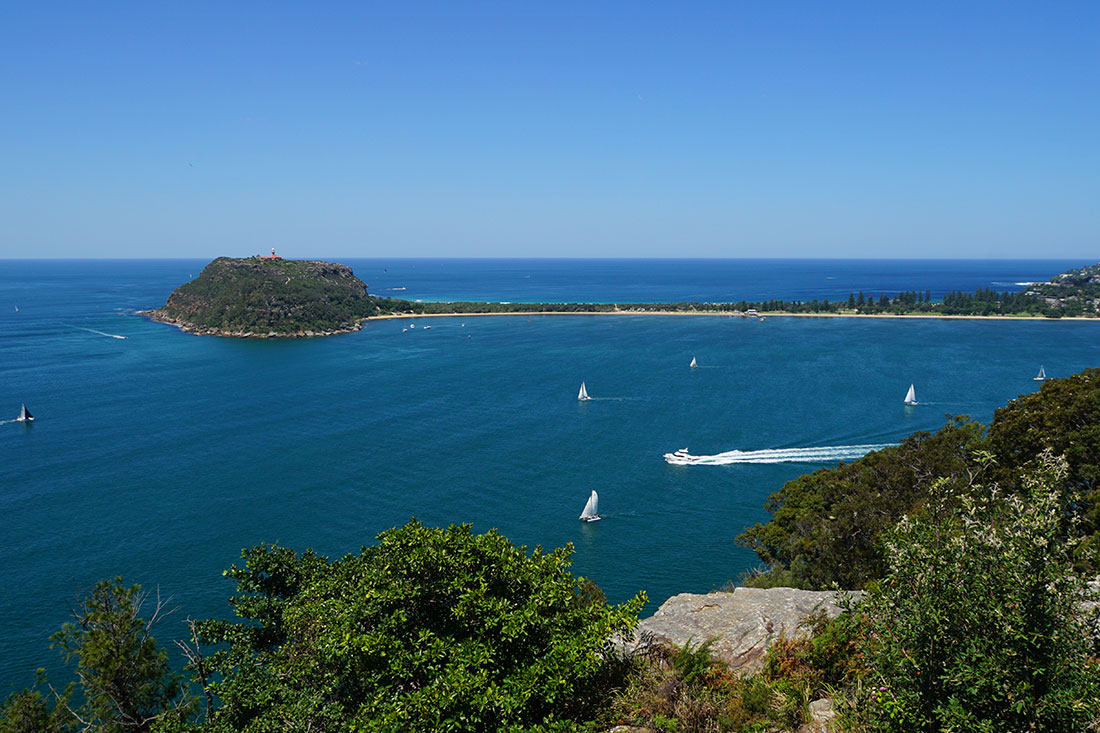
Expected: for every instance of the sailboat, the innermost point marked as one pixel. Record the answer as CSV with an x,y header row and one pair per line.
x,y
693,363
911,396
591,509
24,415
1042,374
583,394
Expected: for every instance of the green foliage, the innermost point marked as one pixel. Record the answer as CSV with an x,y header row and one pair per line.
x,y
686,689
827,658
289,297
977,625
430,629
1077,291
825,525
980,303
270,296
29,711
693,662
1063,417
125,683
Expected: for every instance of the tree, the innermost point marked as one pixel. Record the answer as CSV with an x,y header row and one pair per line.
x,y
826,525
1063,417
977,625
430,629
124,679
29,711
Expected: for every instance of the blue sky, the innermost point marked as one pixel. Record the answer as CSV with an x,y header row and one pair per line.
x,y
566,129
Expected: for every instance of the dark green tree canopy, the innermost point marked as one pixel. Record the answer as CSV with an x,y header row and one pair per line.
x,y
430,629
826,526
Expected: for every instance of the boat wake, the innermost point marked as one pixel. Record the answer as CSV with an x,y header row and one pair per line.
x,y
821,454
92,330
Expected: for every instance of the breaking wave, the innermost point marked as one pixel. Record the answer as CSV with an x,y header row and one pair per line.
x,y
821,454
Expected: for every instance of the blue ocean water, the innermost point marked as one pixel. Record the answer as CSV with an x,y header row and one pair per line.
x,y
160,455
649,281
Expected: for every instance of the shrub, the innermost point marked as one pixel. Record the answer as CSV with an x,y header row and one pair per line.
x,y
977,625
430,629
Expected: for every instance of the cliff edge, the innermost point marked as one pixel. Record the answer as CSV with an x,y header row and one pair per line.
x,y
742,623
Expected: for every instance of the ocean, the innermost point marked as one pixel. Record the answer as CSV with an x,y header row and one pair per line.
x,y
157,455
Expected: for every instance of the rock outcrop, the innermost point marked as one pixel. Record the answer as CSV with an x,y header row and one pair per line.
x,y
742,623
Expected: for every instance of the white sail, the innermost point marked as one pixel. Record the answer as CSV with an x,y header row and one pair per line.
x,y
583,394
591,508
1042,374
693,362
24,414
911,396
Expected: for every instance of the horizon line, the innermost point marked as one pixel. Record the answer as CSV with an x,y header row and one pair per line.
x,y
561,258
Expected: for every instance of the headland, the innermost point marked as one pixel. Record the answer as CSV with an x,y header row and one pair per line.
x,y
270,297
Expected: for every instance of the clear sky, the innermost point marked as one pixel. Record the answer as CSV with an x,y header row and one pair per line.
x,y
552,129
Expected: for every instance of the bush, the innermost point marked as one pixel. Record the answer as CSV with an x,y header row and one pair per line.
x,y
430,629
977,624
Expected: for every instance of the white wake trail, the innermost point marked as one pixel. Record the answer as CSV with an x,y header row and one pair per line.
x,y
92,330
819,454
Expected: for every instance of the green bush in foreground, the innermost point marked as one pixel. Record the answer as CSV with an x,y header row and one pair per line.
x,y
976,626
430,629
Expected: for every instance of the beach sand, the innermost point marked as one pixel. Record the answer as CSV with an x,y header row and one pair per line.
x,y
737,314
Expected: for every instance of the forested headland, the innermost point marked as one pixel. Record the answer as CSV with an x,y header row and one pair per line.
x,y
257,297
266,298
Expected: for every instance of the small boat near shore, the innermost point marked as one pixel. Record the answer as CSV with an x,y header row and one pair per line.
x,y
1042,374
911,396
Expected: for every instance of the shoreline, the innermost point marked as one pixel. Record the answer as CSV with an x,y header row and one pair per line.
x,y
156,317
733,314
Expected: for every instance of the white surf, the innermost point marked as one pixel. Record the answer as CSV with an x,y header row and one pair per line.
x,y
92,330
818,454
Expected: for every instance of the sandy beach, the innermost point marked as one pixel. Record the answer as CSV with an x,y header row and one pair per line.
x,y
736,314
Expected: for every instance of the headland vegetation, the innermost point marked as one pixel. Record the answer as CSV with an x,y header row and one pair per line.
x,y
270,297
256,297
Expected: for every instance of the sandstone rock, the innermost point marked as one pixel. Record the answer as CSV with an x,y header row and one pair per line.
x,y
742,623
821,717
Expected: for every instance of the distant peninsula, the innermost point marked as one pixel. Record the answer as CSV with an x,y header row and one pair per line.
x,y
270,297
